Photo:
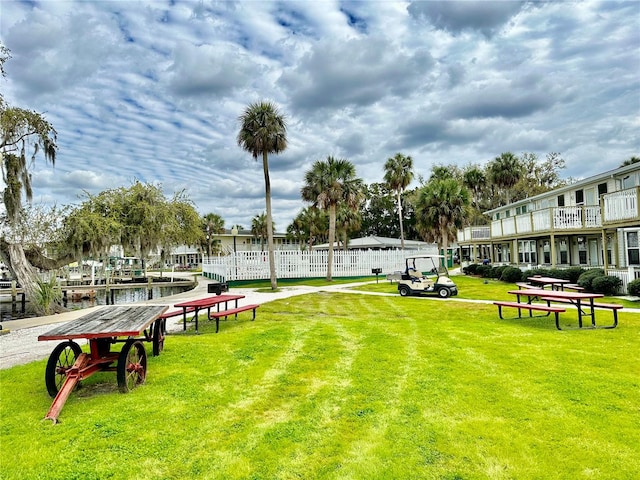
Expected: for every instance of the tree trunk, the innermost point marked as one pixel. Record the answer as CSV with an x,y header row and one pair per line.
x,y
26,276
270,244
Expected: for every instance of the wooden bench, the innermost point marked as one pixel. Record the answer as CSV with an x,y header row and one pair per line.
x,y
175,313
525,285
609,306
233,311
531,306
574,286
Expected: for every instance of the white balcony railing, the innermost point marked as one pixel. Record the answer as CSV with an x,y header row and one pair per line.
x,y
616,207
620,206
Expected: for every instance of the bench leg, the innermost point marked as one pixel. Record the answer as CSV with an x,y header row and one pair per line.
x,y
615,320
557,320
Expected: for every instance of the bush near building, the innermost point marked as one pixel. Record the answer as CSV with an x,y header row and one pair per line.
x,y
634,287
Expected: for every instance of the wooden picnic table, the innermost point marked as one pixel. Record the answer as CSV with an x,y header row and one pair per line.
x,y
575,298
131,325
207,302
556,283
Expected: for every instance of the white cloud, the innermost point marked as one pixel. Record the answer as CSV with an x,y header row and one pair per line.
x,y
152,90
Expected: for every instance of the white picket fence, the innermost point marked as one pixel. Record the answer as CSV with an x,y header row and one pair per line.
x,y
299,264
626,275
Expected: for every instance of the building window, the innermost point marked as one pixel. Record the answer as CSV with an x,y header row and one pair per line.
x,y
561,200
527,251
546,251
563,250
579,197
582,251
602,188
633,250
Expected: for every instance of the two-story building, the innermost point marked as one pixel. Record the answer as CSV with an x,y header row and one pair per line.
x,y
593,222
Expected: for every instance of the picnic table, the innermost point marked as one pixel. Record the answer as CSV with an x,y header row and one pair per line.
x,y
207,302
131,325
583,301
556,283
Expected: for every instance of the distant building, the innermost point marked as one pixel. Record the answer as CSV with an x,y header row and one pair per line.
x,y
381,243
594,222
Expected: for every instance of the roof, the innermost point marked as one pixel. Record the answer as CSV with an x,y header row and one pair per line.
x,y
381,243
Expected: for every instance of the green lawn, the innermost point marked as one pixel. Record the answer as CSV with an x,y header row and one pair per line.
x,y
346,386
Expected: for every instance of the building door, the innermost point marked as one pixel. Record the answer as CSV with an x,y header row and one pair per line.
x,y
594,257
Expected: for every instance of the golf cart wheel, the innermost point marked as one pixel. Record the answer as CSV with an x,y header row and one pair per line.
x,y
404,291
444,293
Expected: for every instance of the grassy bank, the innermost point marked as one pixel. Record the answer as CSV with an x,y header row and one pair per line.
x,y
333,385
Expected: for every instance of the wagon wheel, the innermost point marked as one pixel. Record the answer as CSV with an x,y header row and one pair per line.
x,y
158,337
60,361
132,365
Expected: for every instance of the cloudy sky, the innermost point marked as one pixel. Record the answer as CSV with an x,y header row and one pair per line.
x,y
152,90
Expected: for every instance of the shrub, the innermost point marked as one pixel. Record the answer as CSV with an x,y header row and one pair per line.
x,y
543,272
606,284
585,280
484,271
470,269
573,273
497,271
511,275
559,273
634,287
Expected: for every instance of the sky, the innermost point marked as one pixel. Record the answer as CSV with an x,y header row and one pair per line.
x,y
151,91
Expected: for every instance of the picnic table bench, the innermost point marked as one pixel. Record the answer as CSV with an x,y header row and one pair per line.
x,y
531,307
583,301
130,325
233,311
614,307
208,303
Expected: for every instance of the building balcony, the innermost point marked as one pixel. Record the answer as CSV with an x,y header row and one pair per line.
x,y
615,209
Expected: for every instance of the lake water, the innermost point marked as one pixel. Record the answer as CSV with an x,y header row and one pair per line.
x,y
9,312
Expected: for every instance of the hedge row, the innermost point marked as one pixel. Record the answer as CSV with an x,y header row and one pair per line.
x,y
592,280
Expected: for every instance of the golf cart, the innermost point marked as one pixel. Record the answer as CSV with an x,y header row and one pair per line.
x,y
414,282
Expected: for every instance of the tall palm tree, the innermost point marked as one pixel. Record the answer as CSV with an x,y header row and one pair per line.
x,y
212,224
259,228
328,184
505,171
263,131
398,173
441,206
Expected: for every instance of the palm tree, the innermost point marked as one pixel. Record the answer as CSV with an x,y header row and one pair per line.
x,y
263,131
348,220
328,184
259,228
505,171
441,206
398,175
212,224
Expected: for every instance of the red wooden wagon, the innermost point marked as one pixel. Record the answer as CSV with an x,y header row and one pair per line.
x,y
107,326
